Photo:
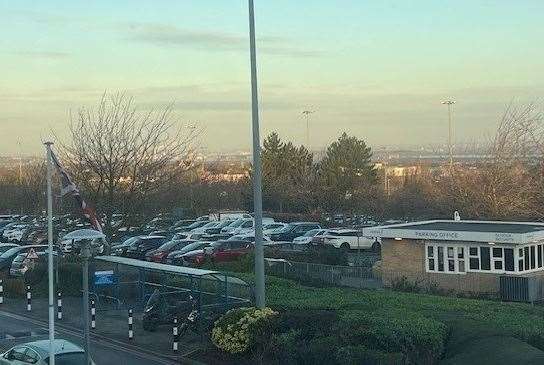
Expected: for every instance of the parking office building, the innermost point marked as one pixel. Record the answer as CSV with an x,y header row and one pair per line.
x,y
464,256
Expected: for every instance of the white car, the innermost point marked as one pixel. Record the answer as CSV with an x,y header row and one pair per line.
x,y
307,237
273,227
350,239
37,353
15,233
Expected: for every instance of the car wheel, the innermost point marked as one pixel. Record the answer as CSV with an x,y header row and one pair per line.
x,y
376,246
345,246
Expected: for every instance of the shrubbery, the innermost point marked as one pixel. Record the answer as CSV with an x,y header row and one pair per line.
x,y
242,329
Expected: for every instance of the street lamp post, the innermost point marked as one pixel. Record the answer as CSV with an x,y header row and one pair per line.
x,y
86,235
306,114
257,175
449,103
51,309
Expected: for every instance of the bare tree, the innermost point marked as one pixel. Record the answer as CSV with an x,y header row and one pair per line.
x,y
122,155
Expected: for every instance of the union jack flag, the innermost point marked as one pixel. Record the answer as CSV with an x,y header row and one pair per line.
x,y
70,188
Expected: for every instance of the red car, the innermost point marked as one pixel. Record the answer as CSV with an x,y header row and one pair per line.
x,y
226,250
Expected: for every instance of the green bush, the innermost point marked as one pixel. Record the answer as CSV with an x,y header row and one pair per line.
x,y
243,330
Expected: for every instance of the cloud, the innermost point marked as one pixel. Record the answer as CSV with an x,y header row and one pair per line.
x,y
170,36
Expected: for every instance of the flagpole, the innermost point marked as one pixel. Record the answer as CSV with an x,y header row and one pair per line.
x,y
50,253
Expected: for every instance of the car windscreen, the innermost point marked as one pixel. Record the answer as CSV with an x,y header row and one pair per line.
x,y
311,233
168,245
223,224
236,223
196,225
130,241
193,246
10,252
5,248
71,358
287,228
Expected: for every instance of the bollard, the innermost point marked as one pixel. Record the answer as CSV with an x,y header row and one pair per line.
x,y
176,335
59,306
28,299
130,333
1,291
93,315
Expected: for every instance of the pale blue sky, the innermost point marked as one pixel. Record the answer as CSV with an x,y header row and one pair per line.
x,y
376,69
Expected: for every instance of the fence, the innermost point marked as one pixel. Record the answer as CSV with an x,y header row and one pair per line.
x,y
351,276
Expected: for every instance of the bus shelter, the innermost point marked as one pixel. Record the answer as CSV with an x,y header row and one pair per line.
x,y
123,283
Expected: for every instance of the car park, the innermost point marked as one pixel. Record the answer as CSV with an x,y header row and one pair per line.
x,y
293,230
309,236
349,239
37,353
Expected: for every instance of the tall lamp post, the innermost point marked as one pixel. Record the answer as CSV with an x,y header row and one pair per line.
x,y
449,103
86,235
306,114
51,309
257,174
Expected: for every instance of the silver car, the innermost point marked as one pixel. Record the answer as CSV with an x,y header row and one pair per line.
x,y
37,353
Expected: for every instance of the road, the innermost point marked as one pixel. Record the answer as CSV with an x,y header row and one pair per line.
x,y
15,329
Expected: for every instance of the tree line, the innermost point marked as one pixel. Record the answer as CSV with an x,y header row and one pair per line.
x,y
139,163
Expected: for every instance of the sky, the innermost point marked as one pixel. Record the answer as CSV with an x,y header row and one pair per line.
x,y
375,69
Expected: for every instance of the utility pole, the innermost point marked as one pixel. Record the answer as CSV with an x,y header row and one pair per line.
x,y
449,103
50,253
260,300
306,114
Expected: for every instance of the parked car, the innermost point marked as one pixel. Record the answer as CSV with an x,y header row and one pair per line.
x,y
273,227
182,224
37,353
193,258
23,264
160,254
347,239
139,248
8,256
309,236
293,230
227,250
176,257
194,225
232,226
15,233
120,249
250,237
217,228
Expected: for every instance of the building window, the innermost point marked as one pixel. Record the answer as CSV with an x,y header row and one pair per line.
x,y
521,259
509,259
445,259
474,258
539,256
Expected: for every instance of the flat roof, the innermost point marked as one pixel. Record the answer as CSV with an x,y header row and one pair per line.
x,y
179,270
472,231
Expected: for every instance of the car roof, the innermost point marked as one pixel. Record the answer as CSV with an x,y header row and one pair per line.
x,y
297,223
343,230
60,346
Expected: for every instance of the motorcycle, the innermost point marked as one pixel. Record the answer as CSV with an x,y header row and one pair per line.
x,y
158,311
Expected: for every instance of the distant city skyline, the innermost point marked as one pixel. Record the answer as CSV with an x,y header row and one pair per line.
x,y
376,70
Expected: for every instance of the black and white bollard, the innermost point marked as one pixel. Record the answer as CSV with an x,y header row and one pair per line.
x,y
1,291
176,335
130,332
93,315
28,299
59,306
